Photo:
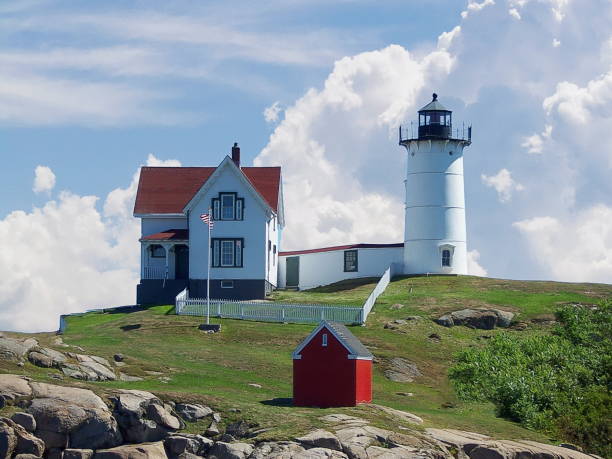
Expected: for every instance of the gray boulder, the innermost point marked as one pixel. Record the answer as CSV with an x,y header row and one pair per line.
x,y
142,417
320,439
14,439
40,360
25,420
57,358
13,387
72,453
276,450
129,378
177,444
315,453
159,414
484,319
15,349
222,450
145,451
239,429
71,415
191,412
402,370
212,430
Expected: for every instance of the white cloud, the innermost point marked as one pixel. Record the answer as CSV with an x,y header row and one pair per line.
x,y
475,7
577,104
514,13
503,183
474,267
445,39
67,256
575,248
44,179
347,188
535,143
556,43
29,100
271,113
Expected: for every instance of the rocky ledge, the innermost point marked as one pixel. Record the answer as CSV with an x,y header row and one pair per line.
x,y
74,423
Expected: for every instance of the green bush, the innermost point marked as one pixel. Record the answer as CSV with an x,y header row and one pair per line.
x,y
557,382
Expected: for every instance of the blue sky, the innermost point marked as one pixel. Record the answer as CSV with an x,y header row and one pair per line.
x,y
93,90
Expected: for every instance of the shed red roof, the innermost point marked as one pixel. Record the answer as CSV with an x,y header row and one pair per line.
x,y
169,235
341,247
167,190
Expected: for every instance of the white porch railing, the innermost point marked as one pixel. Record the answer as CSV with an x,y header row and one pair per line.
x,y
154,272
267,312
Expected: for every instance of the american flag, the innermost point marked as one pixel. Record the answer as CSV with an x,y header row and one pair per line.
x,y
207,220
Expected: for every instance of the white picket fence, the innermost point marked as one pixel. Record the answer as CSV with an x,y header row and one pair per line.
x,y
267,312
281,312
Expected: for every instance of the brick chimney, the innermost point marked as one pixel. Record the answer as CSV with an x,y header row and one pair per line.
x,y
236,154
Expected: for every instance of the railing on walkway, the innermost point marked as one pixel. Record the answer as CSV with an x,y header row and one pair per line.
x,y
267,312
378,290
154,272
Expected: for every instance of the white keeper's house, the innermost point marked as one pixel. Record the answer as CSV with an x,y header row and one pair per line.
x,y
247,210
248,218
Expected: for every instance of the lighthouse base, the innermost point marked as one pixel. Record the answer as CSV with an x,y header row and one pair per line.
x,y
435,257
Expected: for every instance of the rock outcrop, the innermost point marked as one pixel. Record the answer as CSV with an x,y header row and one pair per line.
x,y
484,319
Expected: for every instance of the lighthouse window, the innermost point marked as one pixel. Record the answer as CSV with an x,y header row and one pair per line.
x,y
350,261
446,257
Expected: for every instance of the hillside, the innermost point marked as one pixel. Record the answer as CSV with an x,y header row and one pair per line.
x,y
177,361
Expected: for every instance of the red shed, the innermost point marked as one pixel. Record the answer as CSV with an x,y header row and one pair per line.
x,y
331,368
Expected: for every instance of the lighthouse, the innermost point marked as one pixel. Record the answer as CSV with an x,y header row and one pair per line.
x,y
434,232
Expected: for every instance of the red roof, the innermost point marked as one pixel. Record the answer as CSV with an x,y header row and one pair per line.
x,y
342,247
167,190
169,235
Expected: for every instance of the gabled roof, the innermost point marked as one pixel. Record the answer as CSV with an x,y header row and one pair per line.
x,y
343,335
169,235
167,190
341,247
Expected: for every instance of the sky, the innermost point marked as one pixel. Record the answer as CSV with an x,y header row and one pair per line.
x,y
91,91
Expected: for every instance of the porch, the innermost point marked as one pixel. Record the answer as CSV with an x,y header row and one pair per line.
x,y
165,255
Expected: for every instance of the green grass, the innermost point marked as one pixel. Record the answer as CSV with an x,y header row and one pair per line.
x,y
217,368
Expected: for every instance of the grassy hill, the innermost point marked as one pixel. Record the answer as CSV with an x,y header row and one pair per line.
x,y
218,368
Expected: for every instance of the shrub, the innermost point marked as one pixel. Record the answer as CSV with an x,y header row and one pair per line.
x,y
557,382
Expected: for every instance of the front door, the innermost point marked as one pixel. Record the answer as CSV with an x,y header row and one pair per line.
x,y
293,271
182,261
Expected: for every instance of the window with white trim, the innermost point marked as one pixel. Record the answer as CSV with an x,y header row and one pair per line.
x,y
158,251
227,253
228,206
324,340
227,284
446,257
350,261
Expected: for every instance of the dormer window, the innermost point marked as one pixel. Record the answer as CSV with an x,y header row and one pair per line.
x,y
228,206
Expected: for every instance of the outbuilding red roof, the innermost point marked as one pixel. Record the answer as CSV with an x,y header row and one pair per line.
x,y
341,247
169,235
167,190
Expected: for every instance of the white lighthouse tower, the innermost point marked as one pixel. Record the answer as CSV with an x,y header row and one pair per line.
x,y
435,235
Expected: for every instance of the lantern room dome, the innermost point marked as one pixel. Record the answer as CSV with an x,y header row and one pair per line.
x,y
434,105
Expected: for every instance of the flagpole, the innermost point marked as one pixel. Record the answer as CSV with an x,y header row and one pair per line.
x,y
208,276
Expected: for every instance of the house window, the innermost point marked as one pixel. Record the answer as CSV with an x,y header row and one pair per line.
x,y
157,251
228,206
324,340
274,255
227,284
227,253
446,257
350,261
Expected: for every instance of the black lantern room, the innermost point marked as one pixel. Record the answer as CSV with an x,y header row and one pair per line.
x,y
435,121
